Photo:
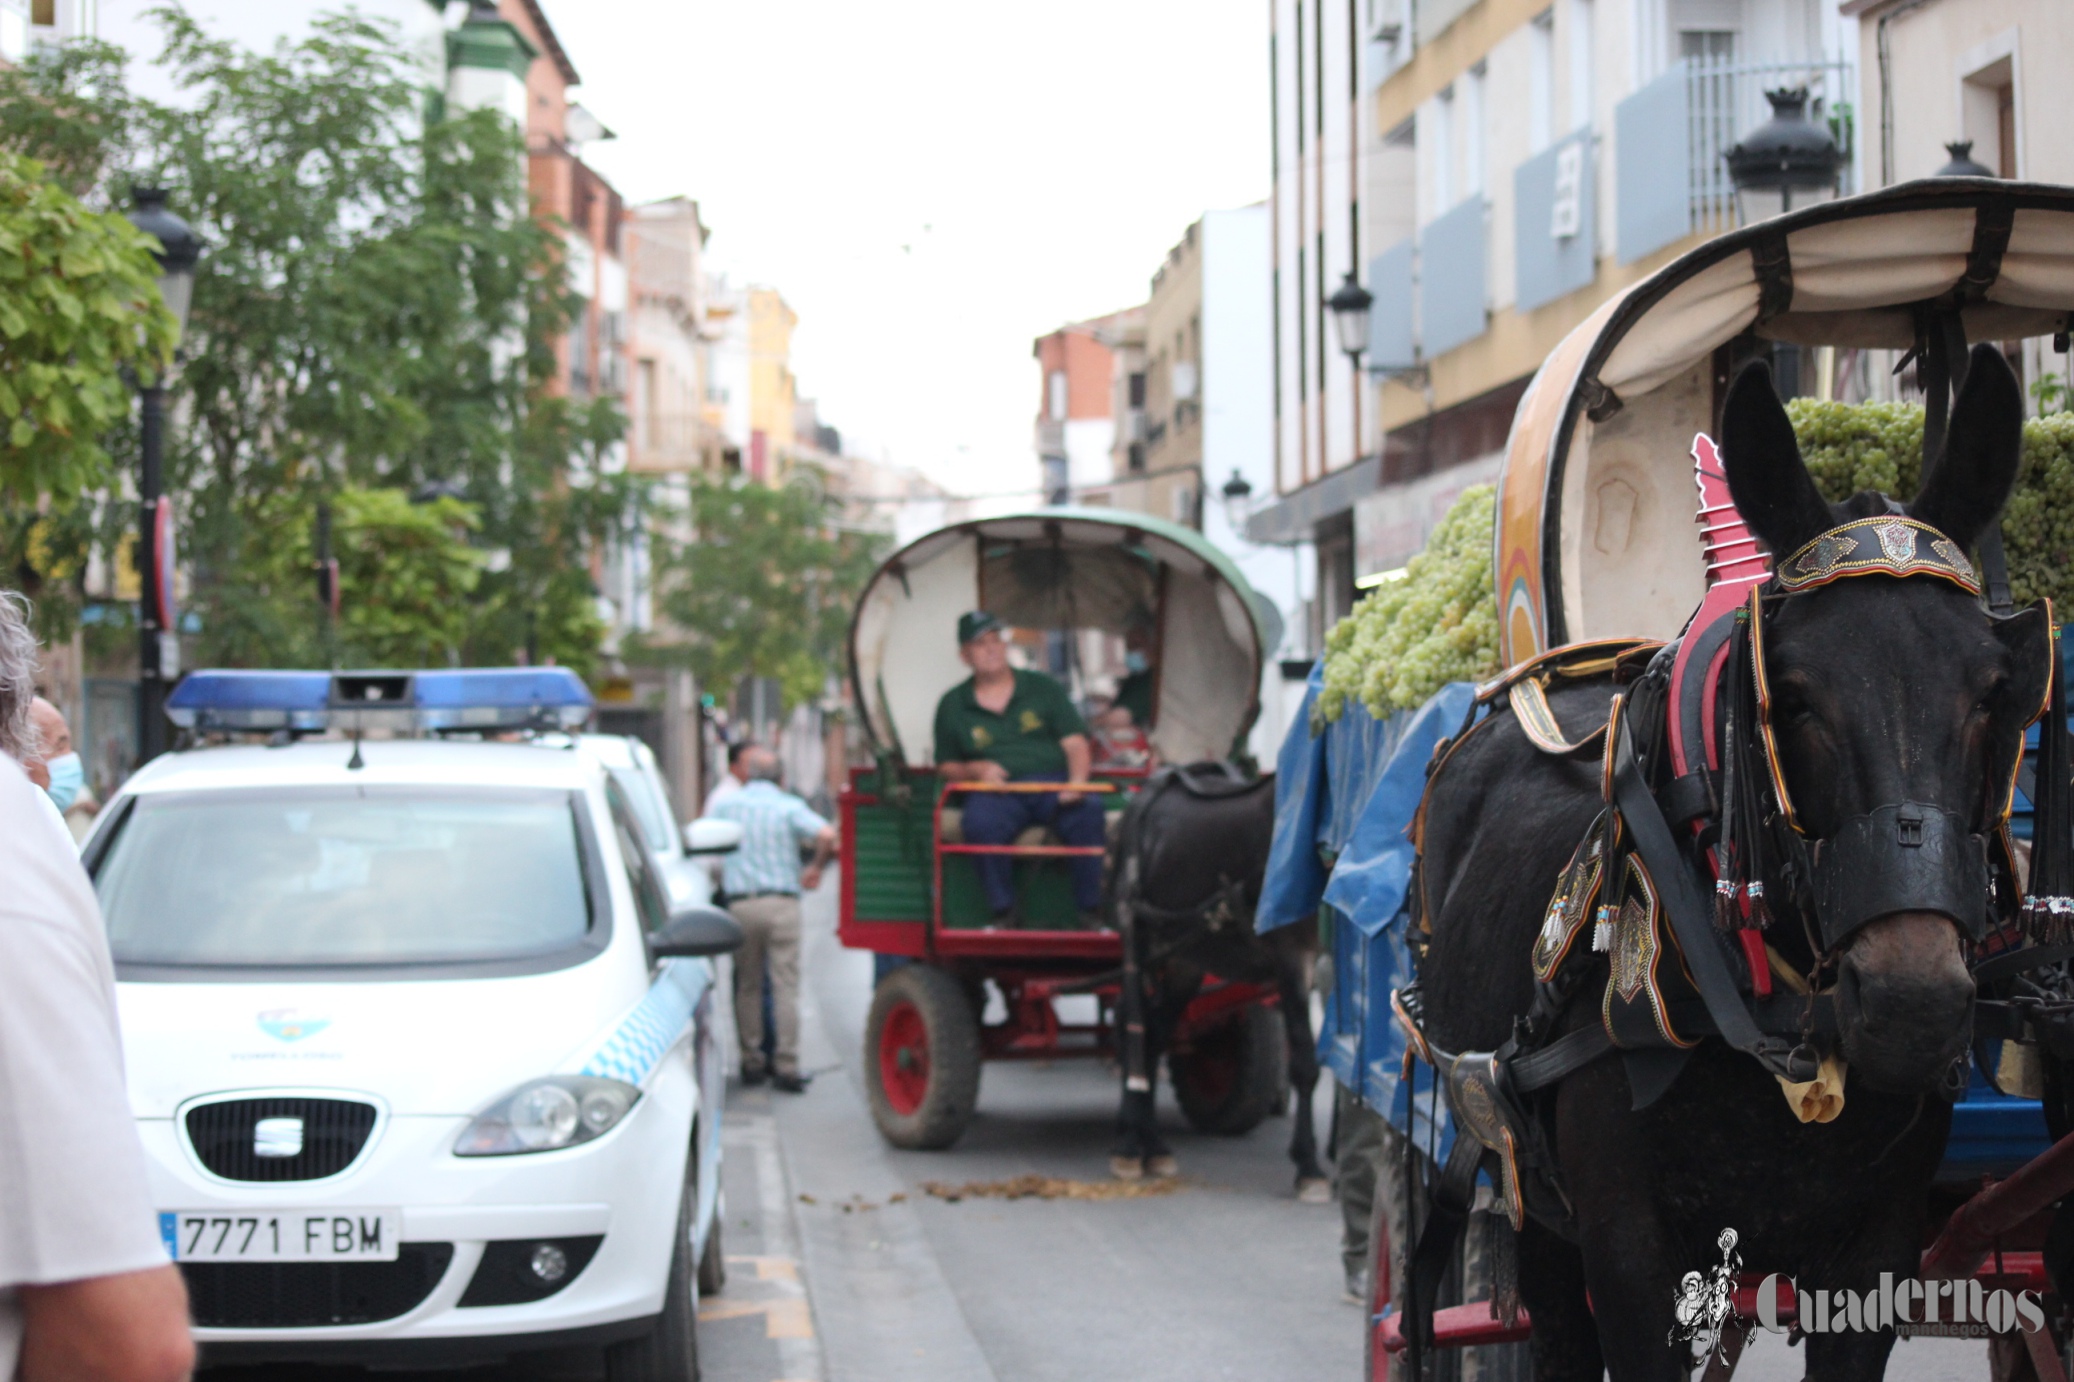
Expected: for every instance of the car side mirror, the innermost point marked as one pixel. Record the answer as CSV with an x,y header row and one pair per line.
x,y
696,932
707,835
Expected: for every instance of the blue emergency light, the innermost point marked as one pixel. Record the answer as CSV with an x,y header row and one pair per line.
x,y
485,699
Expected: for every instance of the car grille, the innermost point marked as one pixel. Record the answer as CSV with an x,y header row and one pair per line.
x,y
333,1132
287,1295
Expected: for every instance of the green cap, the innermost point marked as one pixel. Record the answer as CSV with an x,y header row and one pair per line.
x,y
972,625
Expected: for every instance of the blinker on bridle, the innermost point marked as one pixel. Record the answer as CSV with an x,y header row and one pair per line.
x,y
1904,856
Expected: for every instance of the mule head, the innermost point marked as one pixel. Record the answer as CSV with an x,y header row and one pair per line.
x,y
1887,690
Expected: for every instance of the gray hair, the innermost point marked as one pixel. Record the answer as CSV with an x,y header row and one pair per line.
x,y
18,656
763,765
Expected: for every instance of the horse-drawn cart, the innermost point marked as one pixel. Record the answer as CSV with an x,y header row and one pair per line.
x,y
1593,541
910,893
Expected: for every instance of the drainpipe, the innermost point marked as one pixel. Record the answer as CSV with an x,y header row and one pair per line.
x,y
1886,61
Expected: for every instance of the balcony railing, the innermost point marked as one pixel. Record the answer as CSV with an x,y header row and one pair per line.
x,y
1671,135
1724,100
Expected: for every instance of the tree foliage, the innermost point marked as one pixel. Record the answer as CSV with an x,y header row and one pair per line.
x,y
79,304
377,310
764,587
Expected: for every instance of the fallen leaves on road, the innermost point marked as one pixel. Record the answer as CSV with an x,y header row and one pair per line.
x,y
1034,1187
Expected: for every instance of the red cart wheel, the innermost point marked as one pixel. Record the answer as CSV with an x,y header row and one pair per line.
x,y
904,1058
1381,1287
1230,1077
922,1054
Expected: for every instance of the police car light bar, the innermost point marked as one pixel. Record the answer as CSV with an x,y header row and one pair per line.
x,y
478,699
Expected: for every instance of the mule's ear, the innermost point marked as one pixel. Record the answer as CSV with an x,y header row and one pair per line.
x,y
1766,477
1965,489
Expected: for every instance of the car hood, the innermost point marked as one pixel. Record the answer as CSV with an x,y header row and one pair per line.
x,y
442,1047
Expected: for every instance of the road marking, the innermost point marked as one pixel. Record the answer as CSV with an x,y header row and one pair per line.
x,y
772,1268
788,1319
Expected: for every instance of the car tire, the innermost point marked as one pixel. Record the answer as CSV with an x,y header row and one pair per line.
x,y
713,1261
1228,1080
669,1351
921,1058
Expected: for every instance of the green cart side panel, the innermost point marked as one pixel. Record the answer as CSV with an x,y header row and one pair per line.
x,y
892,860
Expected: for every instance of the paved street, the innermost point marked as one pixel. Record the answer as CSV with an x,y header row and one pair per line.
x,y
1228,1278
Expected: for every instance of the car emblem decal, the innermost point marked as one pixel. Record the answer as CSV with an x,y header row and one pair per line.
x,y
282,1024
277,1138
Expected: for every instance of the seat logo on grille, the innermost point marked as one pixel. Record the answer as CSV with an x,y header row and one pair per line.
x,y
277,1138
283,1024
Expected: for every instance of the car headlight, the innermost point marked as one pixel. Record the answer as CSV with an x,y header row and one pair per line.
x,y
546,1115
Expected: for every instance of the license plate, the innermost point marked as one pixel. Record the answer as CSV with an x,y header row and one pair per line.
x,y
281,1235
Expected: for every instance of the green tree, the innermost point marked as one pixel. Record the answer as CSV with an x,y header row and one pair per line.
x,y
377,310
79,305
763,588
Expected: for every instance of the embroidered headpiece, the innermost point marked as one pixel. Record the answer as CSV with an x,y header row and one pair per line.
x,y
1888,545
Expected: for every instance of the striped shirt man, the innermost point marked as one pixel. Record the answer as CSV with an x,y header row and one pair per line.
x,y
774,824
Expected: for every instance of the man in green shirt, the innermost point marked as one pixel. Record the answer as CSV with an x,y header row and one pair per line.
x,y
1004,725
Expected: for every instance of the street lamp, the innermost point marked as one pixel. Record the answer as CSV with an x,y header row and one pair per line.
x,y
1785,162
158,650
1238,501
1349,306
1963,164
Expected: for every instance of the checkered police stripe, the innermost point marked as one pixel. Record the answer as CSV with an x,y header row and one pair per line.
x,y
654,1025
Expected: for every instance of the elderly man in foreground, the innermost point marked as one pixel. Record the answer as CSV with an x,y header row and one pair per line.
x,y
86,1292
1005,725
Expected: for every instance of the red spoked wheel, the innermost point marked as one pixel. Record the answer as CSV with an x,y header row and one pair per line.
x,y
904,1058
1229,1078
922,1056
1382,1294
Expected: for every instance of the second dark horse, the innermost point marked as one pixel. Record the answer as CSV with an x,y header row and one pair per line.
x,y
1184,878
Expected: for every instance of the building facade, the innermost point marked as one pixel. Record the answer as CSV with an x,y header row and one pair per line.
x,y
1492,171
1076,428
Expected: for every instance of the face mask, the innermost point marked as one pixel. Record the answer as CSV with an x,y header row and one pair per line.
x,y
66,778
1134,661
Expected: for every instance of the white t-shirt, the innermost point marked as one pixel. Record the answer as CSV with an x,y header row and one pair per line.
x,y
73,1201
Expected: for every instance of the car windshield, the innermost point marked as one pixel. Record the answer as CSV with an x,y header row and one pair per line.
x,y
642,797
343,876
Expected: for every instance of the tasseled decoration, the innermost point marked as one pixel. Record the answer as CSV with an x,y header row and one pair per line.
x,y
1602,929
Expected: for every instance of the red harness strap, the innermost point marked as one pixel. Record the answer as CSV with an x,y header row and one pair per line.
x,y
1735,563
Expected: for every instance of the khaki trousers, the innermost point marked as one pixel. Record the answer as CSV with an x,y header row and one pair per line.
x,y
770,929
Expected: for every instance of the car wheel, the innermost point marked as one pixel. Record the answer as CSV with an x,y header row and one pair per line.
x,y
668,1352
713,1261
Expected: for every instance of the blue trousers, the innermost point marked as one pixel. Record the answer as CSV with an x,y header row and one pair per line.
x,y
996,818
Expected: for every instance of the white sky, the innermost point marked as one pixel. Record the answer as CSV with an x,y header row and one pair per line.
x,y
931,184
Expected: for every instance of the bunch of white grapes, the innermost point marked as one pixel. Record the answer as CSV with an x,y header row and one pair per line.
x,y
1435,624
1879,446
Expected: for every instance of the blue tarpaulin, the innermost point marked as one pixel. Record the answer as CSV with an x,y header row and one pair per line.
x,y
1343,799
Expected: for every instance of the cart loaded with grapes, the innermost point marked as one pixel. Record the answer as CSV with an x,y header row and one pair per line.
x,y
1607,529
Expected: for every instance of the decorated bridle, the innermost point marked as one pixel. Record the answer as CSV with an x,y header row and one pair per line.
x,y
1902,856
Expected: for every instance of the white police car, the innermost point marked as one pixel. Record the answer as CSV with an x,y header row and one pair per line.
x,y
422,1057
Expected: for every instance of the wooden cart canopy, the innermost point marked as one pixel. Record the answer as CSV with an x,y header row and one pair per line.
x,y
1062,568
1595,536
